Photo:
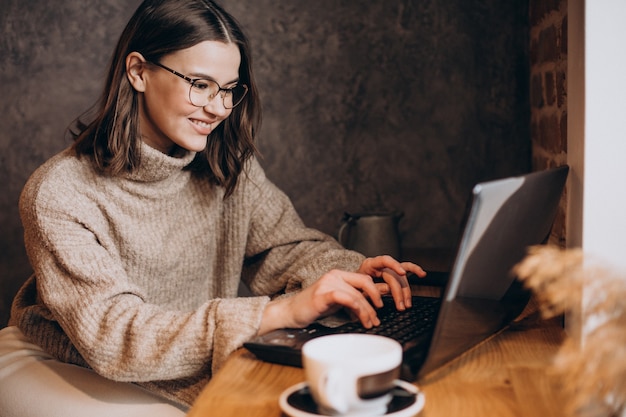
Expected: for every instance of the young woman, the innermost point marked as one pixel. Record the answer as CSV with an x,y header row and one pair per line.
x,y
141,232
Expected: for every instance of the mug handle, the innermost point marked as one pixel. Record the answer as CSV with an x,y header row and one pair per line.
x,y
332,392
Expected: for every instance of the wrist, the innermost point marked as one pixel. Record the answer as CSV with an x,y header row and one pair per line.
x,y
274,316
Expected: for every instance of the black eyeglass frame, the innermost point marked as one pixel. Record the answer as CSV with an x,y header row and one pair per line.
x,y
193,81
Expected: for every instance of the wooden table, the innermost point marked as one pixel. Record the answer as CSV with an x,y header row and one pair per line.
x,y
507,375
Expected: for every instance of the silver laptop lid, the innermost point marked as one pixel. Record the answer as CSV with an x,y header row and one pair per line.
x,y
482,295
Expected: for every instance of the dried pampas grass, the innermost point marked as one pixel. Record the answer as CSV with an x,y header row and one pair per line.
x,y
592,360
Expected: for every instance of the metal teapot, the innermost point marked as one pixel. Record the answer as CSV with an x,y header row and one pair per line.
x,y
371,234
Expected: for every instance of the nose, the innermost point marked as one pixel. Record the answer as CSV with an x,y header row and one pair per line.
x,y
216,107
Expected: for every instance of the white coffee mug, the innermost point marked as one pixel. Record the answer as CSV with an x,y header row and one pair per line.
x,y
352,373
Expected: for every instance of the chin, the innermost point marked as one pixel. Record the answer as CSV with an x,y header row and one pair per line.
x,y
194,146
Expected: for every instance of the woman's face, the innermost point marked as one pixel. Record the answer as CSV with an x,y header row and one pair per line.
x,y
167,118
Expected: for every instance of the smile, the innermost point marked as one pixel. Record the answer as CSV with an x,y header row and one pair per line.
x,y
202,127
200,123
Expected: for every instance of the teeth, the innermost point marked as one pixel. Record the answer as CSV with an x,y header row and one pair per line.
x,y
201,123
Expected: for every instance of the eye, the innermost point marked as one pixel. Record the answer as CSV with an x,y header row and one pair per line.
x,y
203,85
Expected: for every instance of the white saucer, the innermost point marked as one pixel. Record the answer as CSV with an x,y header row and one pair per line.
x,y
408,400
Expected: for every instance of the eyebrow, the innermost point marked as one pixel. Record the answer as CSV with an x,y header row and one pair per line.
x,y
198,75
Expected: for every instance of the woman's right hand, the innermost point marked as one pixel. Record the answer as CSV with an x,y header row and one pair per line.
x,y
334,290
355,291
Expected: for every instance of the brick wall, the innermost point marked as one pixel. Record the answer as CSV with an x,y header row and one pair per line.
x,y
548,94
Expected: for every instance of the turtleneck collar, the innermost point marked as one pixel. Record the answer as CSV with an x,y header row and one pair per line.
x,y
157,166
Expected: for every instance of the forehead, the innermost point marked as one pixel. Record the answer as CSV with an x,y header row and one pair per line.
x,y
217,60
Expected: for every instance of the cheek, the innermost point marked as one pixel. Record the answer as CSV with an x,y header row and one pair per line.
x,y
226,115
167,98
167,109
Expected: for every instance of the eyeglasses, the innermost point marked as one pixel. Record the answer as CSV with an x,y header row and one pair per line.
x,y
202,91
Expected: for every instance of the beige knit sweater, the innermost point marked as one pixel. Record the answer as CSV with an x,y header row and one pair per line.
x,y
136,276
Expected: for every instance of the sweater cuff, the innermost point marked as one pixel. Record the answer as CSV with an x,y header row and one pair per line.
x,y
237,321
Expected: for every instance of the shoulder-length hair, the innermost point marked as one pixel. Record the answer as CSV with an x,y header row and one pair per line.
x,y
111,134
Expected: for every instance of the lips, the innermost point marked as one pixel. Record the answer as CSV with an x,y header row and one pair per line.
x,y
201,126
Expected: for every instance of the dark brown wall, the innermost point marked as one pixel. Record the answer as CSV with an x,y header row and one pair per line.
x,y
369,104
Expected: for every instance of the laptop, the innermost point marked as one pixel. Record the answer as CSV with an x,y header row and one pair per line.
x,y
481,295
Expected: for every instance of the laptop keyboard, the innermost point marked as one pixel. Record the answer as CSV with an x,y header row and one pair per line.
x,y
412,328
402,326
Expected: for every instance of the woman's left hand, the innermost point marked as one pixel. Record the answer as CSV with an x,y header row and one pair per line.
x,y
394,275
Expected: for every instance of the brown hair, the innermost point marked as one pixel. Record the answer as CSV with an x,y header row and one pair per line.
x,y
160,27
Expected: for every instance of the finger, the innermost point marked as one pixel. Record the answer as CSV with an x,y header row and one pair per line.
x,y
399,287
355,301
408,296
416,269
351,289
383,288
373,266
400,268
366,285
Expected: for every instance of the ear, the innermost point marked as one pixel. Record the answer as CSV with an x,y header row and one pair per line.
x,y
136,70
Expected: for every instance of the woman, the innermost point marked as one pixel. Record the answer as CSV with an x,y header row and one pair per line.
x,y
141,232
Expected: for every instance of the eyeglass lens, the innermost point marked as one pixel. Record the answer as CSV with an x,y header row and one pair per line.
x,y
201,92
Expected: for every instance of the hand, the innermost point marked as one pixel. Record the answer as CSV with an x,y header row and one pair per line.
x,y
394,276
334,290
351,290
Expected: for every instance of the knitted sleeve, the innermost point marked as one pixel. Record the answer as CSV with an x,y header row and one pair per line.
x,y
283,254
